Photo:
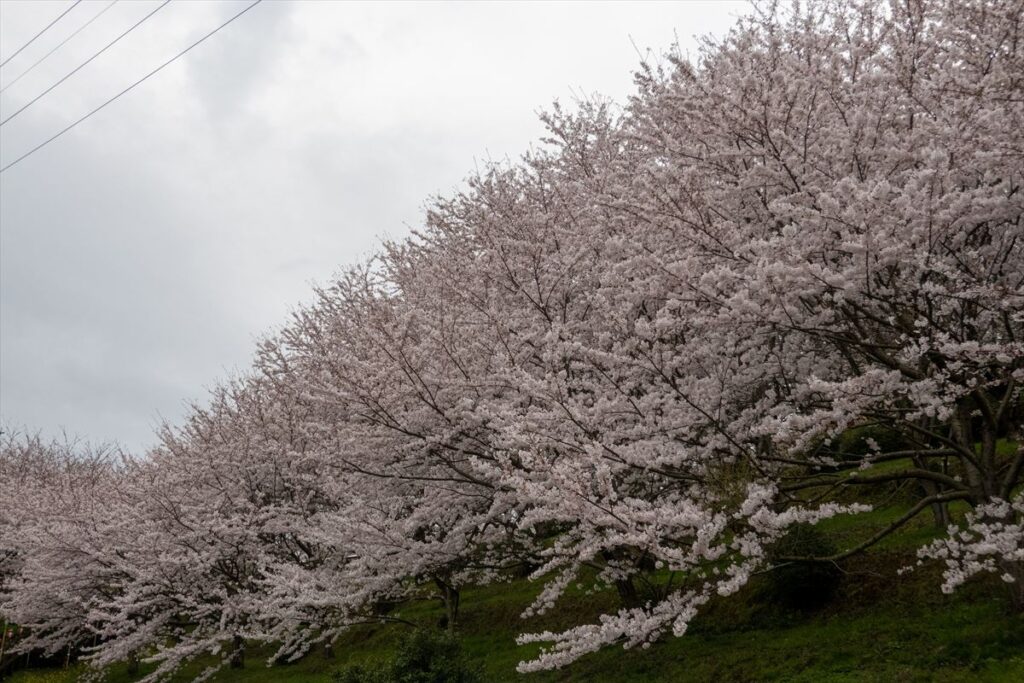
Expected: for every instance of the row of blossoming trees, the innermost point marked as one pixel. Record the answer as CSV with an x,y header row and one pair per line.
x,y
638,350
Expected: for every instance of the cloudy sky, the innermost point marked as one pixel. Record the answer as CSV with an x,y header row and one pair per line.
x,y
142,253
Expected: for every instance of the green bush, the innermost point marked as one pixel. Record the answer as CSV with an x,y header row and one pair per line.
x,y
804,586
423,656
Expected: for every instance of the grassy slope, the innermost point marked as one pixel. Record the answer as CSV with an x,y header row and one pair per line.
x,y
881,627
903,635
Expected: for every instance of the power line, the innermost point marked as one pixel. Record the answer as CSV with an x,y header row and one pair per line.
x,y
130,87
83,64
45,29
60,45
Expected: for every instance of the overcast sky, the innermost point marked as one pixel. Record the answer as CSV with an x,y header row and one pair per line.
x,y
143,253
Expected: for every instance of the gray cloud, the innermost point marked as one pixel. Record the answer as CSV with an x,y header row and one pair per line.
x,y
143,252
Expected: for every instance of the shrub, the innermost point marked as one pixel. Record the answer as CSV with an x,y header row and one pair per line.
x,y
855,442
804,586
423,656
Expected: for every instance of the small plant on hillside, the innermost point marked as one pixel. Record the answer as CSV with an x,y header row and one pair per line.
x,y
803,586
423,656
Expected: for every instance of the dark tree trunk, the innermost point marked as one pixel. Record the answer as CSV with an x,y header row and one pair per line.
x,y
940,510
237,652
1017,597
624,586
450,599
627,592
1016,588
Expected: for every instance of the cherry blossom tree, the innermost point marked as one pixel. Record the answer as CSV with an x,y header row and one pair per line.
x,y
635,354
766,253
218,507
406,450
58,536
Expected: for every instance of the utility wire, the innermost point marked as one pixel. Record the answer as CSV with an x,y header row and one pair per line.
x,y
129,88
83,64
60,45
45,29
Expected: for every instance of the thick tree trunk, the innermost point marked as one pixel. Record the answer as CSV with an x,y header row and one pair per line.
x,y
133,664
627,592
940,510
238,652
450,599
940,515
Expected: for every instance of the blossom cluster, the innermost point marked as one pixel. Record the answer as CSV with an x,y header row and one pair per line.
x,y
991,540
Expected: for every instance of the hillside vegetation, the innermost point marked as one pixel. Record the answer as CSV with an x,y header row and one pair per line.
x,y
879,626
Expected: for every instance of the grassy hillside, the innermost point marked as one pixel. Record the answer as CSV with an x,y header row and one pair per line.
x,y
880,626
